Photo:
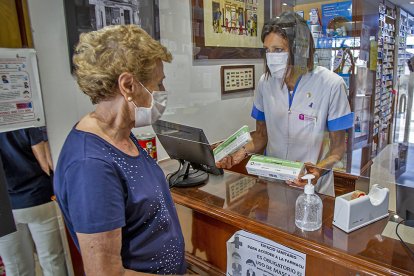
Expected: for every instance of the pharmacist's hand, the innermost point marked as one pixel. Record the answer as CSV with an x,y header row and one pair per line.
x,y
310,169
215,145
231,160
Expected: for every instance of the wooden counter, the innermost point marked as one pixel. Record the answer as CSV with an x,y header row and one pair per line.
x,y
211,213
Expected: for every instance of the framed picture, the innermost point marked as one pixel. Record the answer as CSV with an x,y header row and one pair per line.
x,y
90,15
237,78
228,29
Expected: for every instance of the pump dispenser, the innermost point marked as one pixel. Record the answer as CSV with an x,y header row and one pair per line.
x,y
308,212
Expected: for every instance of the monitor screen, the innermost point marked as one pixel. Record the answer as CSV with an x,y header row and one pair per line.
x,y
405,203
190,146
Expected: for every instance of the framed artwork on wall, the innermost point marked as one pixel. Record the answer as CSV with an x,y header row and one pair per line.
x,y
90,15
236,78
228,29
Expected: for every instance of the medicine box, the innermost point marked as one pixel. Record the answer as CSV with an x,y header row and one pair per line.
x,y
274,167
232,144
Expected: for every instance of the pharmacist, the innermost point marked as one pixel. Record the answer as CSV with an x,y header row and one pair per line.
x,y
296,105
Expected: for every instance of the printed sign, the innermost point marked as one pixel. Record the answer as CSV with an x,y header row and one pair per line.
x,y
337,18
252,255
20,97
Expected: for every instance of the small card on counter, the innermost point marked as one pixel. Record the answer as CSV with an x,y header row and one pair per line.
x,y
232,144
274,167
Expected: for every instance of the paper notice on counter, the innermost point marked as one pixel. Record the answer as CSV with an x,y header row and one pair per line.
x,y
250,254
20,97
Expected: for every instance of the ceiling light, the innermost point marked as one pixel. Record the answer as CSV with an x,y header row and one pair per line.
x,y
412,2
284,4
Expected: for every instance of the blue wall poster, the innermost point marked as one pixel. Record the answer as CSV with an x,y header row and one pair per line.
x,y
337,18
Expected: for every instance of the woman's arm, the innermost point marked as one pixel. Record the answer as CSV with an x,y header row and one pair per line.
x,y
48,156
337,148
40,155
101,253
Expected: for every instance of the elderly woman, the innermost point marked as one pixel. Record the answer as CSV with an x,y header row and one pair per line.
x,y
295,104
114,197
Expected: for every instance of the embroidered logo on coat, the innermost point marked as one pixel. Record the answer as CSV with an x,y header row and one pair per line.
x,y
304,117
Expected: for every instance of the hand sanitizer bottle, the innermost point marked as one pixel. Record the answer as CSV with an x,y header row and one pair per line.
x,y
308,212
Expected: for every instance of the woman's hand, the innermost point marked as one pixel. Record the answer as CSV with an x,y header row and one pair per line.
x,y
310,169
232,159
256,145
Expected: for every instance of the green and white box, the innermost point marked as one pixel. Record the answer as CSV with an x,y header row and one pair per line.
x,y
232,144
274,167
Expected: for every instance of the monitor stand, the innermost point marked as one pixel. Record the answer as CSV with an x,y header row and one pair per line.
x,y
187,177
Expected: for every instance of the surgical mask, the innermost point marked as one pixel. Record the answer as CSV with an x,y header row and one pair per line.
x,y
145,116
277,63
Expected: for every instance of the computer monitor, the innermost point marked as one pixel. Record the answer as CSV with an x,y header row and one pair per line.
x,y
190,147
405,203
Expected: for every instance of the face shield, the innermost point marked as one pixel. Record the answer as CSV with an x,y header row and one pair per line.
x,y
298,35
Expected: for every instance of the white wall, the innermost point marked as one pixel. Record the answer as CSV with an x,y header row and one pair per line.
x,y
63,102
195,98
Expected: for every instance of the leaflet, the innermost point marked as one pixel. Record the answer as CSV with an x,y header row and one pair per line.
x,y
232,144
274,167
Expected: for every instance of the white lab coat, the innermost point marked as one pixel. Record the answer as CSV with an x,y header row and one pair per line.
x,y
296,133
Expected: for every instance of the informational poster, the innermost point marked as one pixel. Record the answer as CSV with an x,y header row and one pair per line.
x,y
337,19
252,255
233,23
20,96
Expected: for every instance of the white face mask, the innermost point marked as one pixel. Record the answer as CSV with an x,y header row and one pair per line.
x,y
146,116
277,63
